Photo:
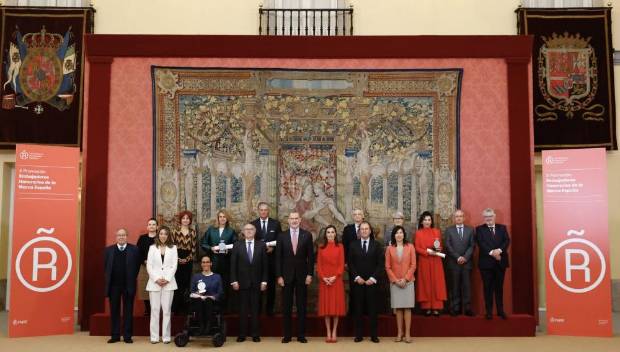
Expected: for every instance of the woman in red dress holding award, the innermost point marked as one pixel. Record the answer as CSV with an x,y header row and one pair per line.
x,y
330,267
431,284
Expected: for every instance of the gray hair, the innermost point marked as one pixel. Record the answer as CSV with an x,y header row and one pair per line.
x,y
488,212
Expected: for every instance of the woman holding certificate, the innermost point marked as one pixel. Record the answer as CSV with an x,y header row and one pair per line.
x,y
431,287
161,265
217,243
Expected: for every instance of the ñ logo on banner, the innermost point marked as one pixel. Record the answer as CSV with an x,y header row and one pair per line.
x,y
38,249
570,249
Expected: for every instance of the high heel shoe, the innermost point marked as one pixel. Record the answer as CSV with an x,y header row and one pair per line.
x,y
398,339
407,339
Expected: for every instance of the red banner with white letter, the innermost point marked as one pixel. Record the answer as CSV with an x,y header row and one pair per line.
x,y
42,294
576,242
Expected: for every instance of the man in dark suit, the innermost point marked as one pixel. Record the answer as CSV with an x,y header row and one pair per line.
x,y
294,269
248,275
493,241
459,241
122,262
366,258
267,230
351,231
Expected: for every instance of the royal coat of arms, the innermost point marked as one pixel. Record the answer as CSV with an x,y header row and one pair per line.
x,y
40,71
567,78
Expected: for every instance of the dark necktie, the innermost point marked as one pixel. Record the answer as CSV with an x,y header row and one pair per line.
x,y
492,228
460,231
364,247
264,227
250,251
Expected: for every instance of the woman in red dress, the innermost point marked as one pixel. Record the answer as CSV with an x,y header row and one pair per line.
x,y
330,266
431,284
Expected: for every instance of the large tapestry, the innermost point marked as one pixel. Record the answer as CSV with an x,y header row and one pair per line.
x,y
41,75
318,142
572,66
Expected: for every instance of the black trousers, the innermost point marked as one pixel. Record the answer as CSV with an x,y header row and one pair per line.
x,y
120,294
271,284
249,304
203,310
221,265
183,276
460,287
298,289
365,300
493,283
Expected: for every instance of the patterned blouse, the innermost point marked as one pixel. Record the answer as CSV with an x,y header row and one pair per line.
x,y
185,243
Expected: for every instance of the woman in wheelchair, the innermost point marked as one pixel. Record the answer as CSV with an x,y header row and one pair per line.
x,y
206,292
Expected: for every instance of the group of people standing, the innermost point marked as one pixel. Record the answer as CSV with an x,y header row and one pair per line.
x,y
266,257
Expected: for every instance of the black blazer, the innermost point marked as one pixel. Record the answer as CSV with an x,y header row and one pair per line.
x,y
348,234
242,271
366,264
299,265
133,266
487,242
273,229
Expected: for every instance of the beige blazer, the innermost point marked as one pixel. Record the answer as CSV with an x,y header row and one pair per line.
x,y
158,269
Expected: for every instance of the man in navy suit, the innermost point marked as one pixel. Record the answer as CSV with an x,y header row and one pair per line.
x,y
248,275
493,242
267,230
122,262
294,269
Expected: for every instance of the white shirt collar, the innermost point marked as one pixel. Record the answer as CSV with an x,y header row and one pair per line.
x,y
121,246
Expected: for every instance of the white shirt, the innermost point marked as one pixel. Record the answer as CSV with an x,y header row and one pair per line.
x,y
121,247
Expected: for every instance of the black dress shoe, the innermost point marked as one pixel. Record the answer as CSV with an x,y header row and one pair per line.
x,y
453,313
286,339
469,313
502,315
114,340
374,339
427,313
128,340
240,339
302,339
358,339
436,313
488,316
256,339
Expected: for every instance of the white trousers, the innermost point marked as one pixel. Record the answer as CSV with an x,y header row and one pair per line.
x,y
160,300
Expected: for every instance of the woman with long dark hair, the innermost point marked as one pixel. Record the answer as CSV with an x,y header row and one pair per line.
x,y
161,264
431,287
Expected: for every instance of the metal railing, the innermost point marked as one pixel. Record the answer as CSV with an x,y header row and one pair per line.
x,y
307,22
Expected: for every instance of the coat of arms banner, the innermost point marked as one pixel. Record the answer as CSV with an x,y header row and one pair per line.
x,y
573,77
42,74
317,142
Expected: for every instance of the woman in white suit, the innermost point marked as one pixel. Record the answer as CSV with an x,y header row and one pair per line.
x,y
161,265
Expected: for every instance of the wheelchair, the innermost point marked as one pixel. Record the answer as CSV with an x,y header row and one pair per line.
x,y
216,328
